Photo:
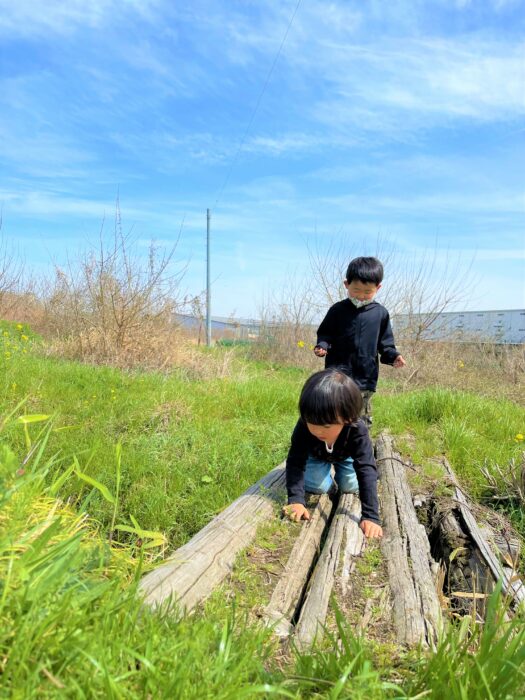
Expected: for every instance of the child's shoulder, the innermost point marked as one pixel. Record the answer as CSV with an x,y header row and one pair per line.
x,y
358,433
342,304
359,429
377,309
358,438
376,305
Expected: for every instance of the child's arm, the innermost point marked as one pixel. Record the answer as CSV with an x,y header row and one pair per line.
x,y
366,472
388,353
295,465
325,333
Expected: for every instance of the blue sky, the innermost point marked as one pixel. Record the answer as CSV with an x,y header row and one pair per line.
x,y
404,120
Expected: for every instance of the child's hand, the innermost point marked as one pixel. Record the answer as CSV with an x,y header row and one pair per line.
x,y
296,512
399,361
371,529
319,351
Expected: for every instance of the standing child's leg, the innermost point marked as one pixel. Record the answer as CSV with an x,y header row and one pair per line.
x,y
345,476
366,413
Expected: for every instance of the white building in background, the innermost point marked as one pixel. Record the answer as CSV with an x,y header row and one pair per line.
x,y
502,327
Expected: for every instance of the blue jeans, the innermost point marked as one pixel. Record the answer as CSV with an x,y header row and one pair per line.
x,y
318,478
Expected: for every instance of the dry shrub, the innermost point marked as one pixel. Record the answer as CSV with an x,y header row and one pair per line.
x,y
485,368
154,345
112,306
507,483
205,365
285,345
13,285
287,333
420,286
23,307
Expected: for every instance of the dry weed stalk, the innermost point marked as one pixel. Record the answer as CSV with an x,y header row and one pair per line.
x,y
416,287
287,333
11,279
508,483
484,368
111,306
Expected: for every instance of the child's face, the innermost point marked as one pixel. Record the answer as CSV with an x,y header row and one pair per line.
x,y
329,432
363,291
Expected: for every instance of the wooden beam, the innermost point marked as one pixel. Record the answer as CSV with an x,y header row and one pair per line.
x,y
344,534
511,583
353,546
288,593
191,573
405,546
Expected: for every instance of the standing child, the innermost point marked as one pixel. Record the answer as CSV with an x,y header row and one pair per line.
x,y
356,330
330,433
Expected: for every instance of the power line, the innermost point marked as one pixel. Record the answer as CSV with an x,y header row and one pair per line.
x,y
261,94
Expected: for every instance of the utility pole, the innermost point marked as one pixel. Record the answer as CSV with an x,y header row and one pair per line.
x,y
208,285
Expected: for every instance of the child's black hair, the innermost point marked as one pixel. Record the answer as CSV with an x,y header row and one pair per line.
x,y
330,396
365,270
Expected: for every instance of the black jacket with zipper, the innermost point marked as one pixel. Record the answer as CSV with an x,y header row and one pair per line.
x,y
353,339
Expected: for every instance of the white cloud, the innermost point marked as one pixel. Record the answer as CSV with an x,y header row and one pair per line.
x,y
425,84
431,204
36,18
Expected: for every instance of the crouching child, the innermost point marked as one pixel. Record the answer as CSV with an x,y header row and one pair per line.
x,y
330,433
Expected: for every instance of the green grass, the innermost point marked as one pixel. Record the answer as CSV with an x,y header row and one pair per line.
x,y
188,447
469,663
71,624
472,431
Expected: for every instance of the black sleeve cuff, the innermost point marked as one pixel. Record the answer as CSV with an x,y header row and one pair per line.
x,y
388,358
292,500
371,519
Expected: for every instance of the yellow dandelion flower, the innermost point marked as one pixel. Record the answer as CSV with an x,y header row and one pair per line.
x,y
19,326
519,437
300,343
24,337
461,364
6,334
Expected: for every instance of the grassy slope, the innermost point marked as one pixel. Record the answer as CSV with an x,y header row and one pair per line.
x,y
68,616
188,447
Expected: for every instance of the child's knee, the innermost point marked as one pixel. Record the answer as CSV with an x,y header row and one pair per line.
x,y
347,484
318,483
315,489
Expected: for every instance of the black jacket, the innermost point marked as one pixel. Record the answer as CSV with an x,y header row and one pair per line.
x,y
353,441
353,338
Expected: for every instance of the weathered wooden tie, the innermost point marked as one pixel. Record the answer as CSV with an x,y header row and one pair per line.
x,y
343,543
288,592
191,573
512,585
406,548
